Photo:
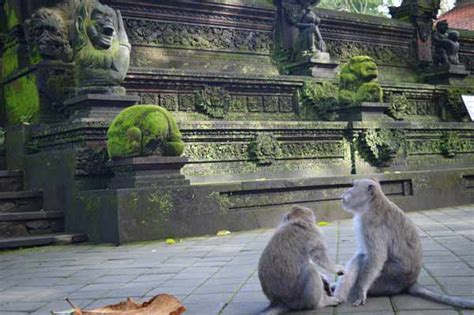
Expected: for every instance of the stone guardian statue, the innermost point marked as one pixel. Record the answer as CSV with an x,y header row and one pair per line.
x,y
101,49
309,41
446,45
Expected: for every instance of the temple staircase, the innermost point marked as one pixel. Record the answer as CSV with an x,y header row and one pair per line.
x,y
23,222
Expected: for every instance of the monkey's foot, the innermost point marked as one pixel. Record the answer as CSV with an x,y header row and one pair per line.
x,y
359,302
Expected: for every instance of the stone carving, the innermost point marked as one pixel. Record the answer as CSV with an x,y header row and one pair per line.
x,y
318,100
264,149
379,147
143,130
91,161
197,36
382,54
101,48
446,45
47,31
399,106
358,82
214,101
309,40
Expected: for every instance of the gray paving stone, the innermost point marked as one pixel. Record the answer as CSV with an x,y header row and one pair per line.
x,y
213,275
407,302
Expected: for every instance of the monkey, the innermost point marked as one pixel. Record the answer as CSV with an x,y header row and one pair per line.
x,y
287,267
389,255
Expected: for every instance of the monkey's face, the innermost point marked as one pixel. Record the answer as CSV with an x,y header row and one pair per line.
x,y
357,198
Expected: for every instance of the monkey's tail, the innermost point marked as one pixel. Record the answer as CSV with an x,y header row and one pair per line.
x,y
419,291
275,309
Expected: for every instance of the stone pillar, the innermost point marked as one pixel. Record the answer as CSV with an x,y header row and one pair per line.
x,y
421,14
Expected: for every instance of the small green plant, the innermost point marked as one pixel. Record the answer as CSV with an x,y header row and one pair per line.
x,y
450,144
455,109
380,146
319,100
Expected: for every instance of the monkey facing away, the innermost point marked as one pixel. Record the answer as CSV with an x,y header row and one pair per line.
x,y
287,269
389,255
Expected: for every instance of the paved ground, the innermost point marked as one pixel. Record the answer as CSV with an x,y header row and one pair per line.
x,y
217,275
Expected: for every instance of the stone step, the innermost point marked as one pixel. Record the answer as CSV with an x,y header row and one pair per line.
x,y
20,201
18,224
41,240
11,180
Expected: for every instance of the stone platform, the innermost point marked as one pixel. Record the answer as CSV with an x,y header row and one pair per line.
x,y
217,275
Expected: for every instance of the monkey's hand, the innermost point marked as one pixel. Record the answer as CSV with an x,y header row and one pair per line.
x,y
340,270
360,299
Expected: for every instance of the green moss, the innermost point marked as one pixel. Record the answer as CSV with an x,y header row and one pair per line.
x,y
163,203
22,102
10,61
10,12
358,82
142,130
318,100
454,106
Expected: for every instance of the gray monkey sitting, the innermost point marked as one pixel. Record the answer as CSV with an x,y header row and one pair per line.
x,y
389,255
287,269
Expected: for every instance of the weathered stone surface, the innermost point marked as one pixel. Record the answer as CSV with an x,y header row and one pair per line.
x,y
12,229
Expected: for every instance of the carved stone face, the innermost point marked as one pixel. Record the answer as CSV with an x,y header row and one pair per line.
x,y
442,27
101,30
365,68
46,30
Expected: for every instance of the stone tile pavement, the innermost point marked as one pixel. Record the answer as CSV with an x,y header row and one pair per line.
x,y
217,275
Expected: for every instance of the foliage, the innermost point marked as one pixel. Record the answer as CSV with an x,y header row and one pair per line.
x,y
450,144
399,106
358,82
264,149
370,7
318,100
214,101
22,102
142,130
379,147
455,109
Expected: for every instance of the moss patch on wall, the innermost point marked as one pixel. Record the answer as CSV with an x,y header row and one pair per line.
x,y
12,16
22,102
10,61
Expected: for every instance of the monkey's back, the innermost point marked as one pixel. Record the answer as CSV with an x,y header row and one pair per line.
x,y
283,259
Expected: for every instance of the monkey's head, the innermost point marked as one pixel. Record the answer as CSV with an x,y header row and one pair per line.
x,y
357,198
300,213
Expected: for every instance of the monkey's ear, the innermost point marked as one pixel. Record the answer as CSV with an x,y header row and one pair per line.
x,y
371,189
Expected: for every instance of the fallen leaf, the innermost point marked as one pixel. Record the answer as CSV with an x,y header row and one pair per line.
x,y
322,223
170,241
162,304
223,232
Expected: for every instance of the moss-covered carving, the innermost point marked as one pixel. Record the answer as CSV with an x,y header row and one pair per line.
x,y
213,101
399,106
143,130
380,146
454,106
318,100
264,149
450,144
358,82
101,48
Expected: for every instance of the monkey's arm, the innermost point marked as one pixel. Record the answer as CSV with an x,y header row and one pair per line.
x,y
370,267
321,258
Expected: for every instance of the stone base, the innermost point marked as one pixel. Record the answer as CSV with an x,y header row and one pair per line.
x,y
128,215
366,111
450,74
98,106
319,66
151,171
